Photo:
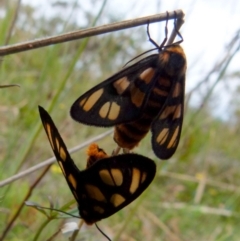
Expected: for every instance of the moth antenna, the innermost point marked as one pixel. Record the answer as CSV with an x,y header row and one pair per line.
x,y
102,232
140,56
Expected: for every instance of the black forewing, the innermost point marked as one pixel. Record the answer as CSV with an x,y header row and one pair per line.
x,y
127,164
131,166
128,111
166,129
59,148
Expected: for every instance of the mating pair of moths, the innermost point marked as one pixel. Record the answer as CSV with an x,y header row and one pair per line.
x,y
148,94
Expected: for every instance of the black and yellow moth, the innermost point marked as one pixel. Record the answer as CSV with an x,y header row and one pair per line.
x,y
108,184
146,95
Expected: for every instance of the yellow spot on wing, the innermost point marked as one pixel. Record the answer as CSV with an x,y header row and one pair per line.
x,y
107,178
137,96
178,111
144,176
91,101
95,193
177,90
121,85
162,137
82,102
62,154
117,176
135,180
147,75
98,209
117,199
114,111
61,166
72,180
172,142
57,143
48,128
175,110
104,110
110,111
166,112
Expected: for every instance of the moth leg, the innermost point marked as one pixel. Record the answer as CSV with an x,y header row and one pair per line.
x,y
126,150
116,151
166,35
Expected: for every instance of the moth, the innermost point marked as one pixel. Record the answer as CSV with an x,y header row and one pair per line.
x,y
146,95
108,184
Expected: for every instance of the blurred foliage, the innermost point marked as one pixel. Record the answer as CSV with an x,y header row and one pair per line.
x,y
195,195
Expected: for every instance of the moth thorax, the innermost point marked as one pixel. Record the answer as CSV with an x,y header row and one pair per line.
x,y
94,154
175,64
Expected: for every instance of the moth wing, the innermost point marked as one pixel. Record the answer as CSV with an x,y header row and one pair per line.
x,y
119,99
67,165
112,183
106,186
166,129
